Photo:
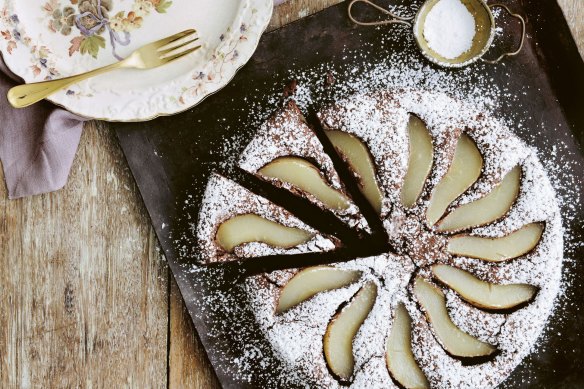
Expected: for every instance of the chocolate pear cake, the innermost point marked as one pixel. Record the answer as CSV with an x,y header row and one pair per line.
x,y
455,289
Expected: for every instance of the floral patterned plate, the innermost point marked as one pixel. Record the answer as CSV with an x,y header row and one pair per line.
x,y
49,39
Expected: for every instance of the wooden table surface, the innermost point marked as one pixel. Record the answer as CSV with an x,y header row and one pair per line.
x,y
87,299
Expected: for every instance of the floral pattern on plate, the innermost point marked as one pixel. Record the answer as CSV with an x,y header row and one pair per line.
x,y
90,23
58,38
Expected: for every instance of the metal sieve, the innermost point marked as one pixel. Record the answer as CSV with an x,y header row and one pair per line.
x,y
484,30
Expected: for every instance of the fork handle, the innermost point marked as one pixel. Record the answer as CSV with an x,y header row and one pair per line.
x,y
27,94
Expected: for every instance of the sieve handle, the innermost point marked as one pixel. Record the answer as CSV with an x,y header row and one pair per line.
x,y
512,53
396,19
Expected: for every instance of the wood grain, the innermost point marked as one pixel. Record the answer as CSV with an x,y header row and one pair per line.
x,y
188,364
84,291
87,300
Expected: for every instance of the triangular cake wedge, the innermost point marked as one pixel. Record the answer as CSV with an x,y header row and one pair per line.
x,y
235,223
287,153
375,121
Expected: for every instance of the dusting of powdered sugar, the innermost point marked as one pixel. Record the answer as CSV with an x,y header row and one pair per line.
x,y
287,134
449,28
516,333
297,334
381,126
379,119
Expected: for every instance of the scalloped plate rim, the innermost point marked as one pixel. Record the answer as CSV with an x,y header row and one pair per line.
x,y
248,10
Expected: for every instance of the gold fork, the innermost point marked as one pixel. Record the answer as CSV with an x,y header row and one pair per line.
x,y
147,57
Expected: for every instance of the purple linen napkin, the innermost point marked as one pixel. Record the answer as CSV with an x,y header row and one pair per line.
x,y
37,144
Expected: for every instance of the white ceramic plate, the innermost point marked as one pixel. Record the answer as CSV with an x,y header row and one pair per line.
x,y
57,38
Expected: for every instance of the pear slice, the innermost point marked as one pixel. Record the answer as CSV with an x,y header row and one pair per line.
x,y
514,245
338,339
486,209
359,159
311,281
307,177
463,172
399,357
483,294
420,161
455,341
253,228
